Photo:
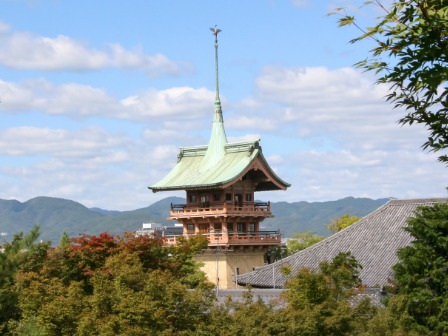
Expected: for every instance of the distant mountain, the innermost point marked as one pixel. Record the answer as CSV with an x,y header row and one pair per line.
x,y
105,212
306,216
56,215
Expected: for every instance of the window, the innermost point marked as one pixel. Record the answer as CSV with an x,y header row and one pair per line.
x,y
216,197
241,227
230,227
204,201
248,197
228,197
252,227
192,198
190,228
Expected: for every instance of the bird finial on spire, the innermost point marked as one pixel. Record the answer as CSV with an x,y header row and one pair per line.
x,y
215,30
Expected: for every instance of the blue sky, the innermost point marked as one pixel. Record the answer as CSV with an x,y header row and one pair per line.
x,y
97,96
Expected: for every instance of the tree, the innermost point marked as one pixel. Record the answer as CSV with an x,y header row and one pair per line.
x,y
301,241
111,285
410,55
392,320
65,239
422,273
20,254
342,222
250,316
318,301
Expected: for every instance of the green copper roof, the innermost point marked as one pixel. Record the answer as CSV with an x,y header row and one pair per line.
x,y
193,170
219,163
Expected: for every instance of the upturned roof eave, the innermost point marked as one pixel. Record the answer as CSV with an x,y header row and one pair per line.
x,y
281,181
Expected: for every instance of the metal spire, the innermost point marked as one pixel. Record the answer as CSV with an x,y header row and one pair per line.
x,y
218,139
218,111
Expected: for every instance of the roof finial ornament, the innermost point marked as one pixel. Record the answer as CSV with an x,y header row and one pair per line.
x,y
215,31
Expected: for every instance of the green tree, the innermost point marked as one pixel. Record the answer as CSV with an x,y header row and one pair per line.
x,y
422,273
21,253
301,240
393,320
410,55
65,239
251,317
342,222
111,285
318,301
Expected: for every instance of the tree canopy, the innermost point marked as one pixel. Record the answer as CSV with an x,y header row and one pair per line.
x,y
410,55
301,240
422,273
342,222
127,285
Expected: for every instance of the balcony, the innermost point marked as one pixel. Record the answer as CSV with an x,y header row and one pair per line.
x,y
255,209
230,238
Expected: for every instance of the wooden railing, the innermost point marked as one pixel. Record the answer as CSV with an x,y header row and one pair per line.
x,y
222,238
207,208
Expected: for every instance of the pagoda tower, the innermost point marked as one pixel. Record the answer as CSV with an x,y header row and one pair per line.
x,y
220,180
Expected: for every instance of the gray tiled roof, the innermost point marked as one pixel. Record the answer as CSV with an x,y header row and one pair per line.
x,y
268,296
374,241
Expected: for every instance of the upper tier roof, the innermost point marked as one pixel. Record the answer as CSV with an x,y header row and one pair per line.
x,y
197,170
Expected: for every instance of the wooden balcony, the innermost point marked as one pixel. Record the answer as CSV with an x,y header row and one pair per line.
x,y
254,209
228,239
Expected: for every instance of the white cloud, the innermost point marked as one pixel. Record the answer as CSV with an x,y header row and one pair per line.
x,y
338,137
300,3
331,175
91,165
249,123
4,28
243,138
182,102
341,104
89,143
78,100
21,50
339,141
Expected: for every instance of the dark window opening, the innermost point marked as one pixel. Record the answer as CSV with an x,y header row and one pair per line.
x,y
241,227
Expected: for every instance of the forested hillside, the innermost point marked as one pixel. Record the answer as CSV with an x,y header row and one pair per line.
x,y
55,215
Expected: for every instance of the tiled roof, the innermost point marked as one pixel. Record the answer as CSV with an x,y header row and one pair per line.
x,y
374,241
268,296
196,169
274,297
